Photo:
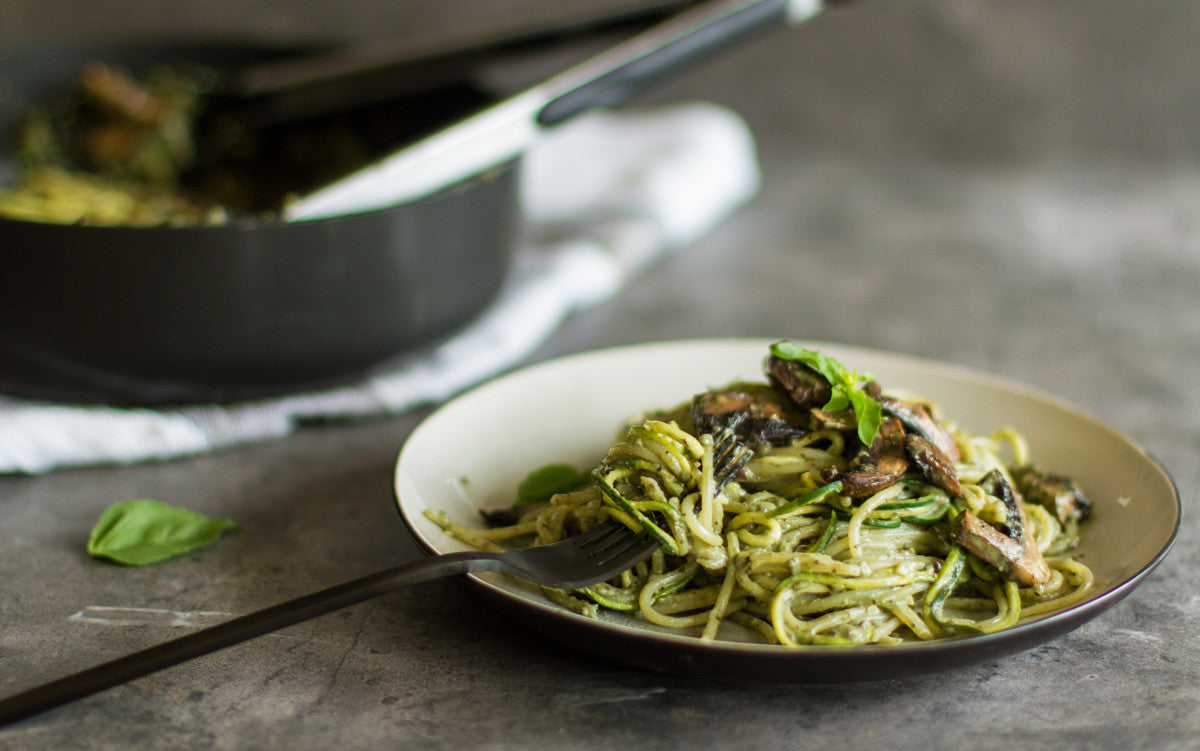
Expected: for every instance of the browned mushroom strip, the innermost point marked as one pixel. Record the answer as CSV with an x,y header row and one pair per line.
x,y
1062,496
1015,554
995,484
933,464
918,419
804,386
121,95
879,466
755,413
1019,562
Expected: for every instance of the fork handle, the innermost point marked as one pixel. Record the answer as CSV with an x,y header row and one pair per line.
x,y
237,630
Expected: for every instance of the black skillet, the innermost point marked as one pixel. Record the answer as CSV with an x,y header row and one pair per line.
x,y
352,279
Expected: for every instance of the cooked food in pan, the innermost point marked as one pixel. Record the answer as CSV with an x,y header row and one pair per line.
x,y
815,507
161,147
110,149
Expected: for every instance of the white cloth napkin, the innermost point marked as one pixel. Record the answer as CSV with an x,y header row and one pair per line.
x,y
602,196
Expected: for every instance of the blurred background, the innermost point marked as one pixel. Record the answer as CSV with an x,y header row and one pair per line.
x,y
980,80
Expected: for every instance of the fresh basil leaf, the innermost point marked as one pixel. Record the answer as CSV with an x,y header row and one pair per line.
x,y
142,531
845,384
838,401
827,366
833,370
541,484
788,351
870,415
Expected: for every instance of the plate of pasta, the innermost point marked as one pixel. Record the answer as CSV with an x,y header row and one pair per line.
x,y
824,512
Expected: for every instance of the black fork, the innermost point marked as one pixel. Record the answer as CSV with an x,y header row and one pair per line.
x,y
594,556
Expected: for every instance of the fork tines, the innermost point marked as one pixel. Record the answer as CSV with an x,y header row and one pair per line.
x,y
730,455
611,542
604,537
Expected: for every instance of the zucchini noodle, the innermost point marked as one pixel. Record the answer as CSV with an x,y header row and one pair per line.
x,y
781,554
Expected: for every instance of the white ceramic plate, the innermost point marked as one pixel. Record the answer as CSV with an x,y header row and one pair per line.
x,y
471,453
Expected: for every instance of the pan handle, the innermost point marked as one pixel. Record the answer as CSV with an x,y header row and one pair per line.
x,y
504,131
619,73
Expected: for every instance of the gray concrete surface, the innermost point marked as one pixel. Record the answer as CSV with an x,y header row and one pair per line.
x,y
1014,186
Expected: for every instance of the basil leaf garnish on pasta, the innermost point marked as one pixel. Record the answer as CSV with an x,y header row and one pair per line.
x,y
847,388
141,531
544,483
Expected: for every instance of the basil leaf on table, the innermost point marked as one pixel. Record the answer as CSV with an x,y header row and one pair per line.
x,y
142,531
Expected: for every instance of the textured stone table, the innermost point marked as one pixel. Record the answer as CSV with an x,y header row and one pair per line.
x,y
1013,186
